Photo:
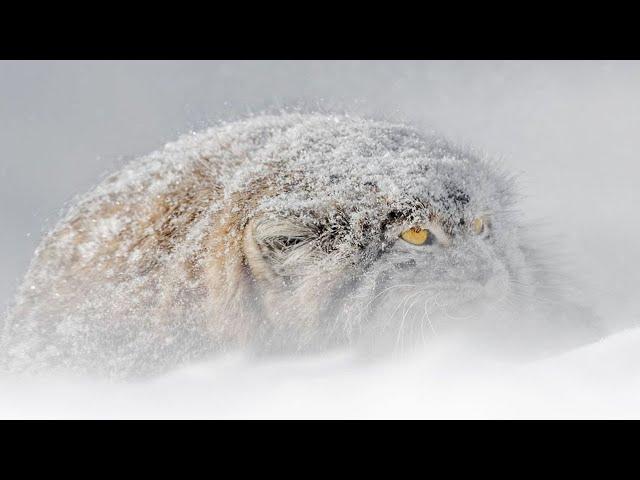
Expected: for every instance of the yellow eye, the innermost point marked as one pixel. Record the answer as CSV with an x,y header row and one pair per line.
x,y
416,235
478,225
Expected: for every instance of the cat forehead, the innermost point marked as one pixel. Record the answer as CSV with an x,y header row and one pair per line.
x,y
446,189
328,163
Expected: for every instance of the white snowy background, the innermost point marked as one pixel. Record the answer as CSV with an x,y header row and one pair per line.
x,y
570,129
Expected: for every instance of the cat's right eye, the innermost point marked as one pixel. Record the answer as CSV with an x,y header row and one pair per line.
x,y
416,236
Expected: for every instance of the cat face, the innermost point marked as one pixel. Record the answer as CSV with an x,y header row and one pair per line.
x,y
381,259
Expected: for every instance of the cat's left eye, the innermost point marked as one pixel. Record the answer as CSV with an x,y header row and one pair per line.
x,y
416,236
478,225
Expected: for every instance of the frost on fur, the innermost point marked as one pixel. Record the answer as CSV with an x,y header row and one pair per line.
x,y
280,233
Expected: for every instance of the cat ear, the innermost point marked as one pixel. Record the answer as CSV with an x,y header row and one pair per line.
x,y
278,235
275,248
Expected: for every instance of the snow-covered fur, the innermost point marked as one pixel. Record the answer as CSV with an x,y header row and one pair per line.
x,y
280,232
